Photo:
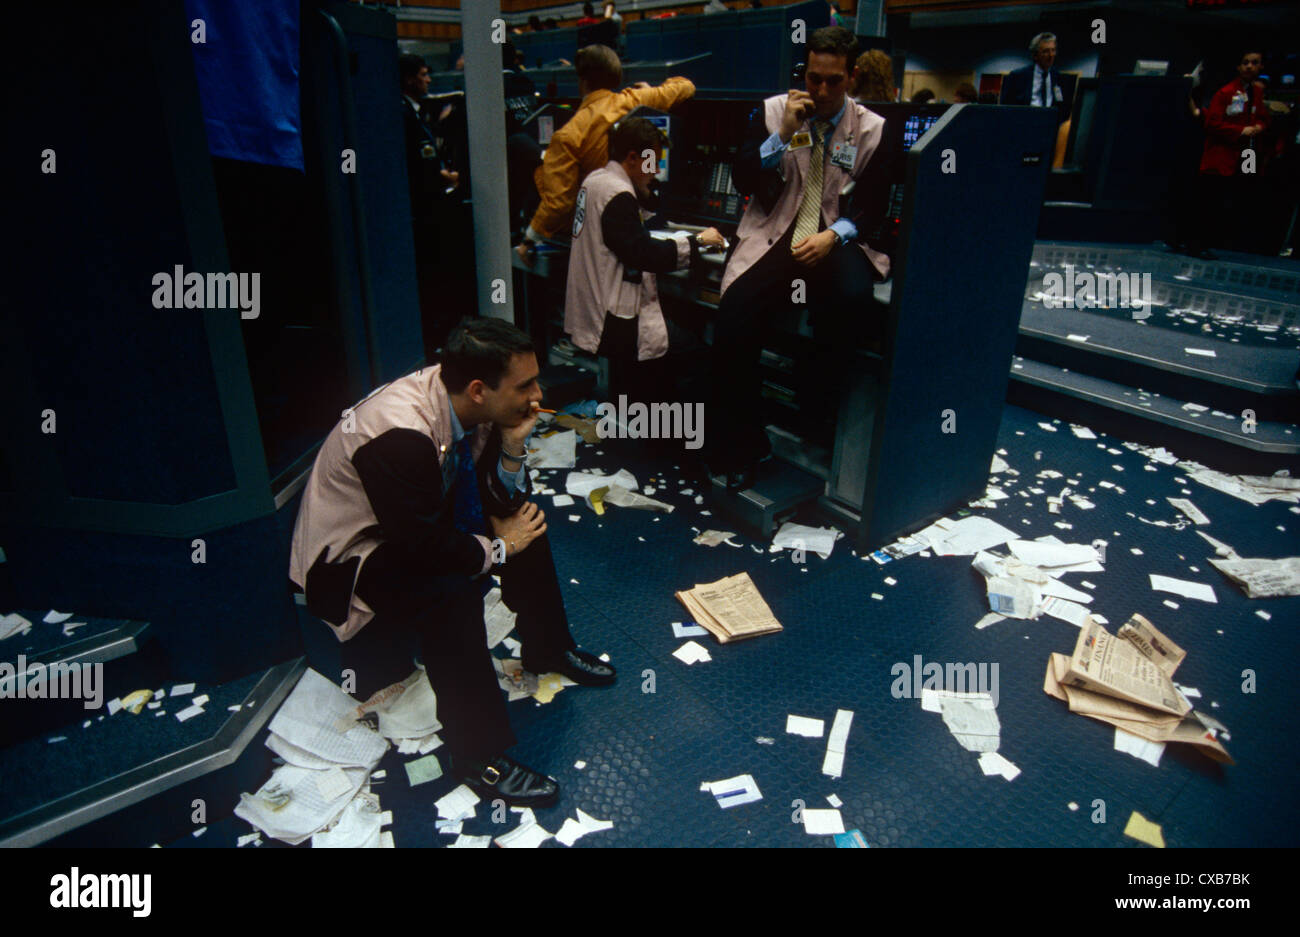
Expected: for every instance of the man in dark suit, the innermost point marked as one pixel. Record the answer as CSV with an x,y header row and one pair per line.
x,y
1040,84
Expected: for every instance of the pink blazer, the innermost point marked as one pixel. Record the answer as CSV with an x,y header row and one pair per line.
x,y
758,230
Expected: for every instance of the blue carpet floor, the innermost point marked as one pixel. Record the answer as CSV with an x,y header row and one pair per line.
x,y
906,781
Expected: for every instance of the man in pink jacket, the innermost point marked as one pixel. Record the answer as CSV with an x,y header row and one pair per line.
x,y
392,540
611,304
798,242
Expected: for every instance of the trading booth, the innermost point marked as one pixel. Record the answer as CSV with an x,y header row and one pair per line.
x,y
956,192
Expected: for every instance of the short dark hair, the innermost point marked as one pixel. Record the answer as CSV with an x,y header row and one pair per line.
x,y
409,65
834,40
588,10
599,66
924,96
634,135
480,348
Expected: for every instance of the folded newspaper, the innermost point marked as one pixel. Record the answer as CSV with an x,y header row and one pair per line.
x,y
730,609
1127,681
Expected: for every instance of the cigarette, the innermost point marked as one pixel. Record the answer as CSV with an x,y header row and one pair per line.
x,y
544,410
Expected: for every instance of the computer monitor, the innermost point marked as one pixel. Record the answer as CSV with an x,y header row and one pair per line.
x,y
915,126
664,125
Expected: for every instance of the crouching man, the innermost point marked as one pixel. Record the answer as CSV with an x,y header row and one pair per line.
x,y
393,536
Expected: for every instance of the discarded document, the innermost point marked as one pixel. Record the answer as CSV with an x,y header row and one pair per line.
x,y
819,540
711,538
1262,579
803,725
730,609
963,537
1255,489
992,763
1138,747
823,822
573,830
972,718
357,827
556,451
1189,590
692,652
1192,512
625,498
836,743
291,805
732,792
1126,681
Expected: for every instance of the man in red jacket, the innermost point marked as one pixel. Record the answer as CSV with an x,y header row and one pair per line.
x,y
1235,117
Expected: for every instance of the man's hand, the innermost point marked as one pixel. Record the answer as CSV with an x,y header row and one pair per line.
x,y
513,438
1252,130
711,237
813,249
524,252
797,107
451,178
520,529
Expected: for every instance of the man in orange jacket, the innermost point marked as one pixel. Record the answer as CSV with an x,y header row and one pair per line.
x,y
581,146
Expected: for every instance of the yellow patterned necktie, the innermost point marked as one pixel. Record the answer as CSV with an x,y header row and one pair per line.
x,y
805,223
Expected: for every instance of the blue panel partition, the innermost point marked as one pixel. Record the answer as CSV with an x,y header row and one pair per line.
x,y
954,313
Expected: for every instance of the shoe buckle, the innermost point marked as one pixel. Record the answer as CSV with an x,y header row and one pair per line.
x,y
495,771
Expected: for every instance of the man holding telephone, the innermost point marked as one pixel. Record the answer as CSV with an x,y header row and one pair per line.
x,y
803,161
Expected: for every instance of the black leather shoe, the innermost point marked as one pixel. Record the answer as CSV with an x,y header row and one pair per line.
x,y
582,668
507,779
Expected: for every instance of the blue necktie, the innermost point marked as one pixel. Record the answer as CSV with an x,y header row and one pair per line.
x,y
468,512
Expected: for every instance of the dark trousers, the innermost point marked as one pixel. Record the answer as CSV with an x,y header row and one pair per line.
x,y
845,316
657,380
443,616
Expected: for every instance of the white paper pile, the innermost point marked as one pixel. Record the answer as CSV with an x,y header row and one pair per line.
x,y
358,826
819,540
1026,584
965,537
1255,489
328,756
556,451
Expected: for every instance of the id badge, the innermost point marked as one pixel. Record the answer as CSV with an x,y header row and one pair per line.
x,y
1056,92
800,140
844,155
